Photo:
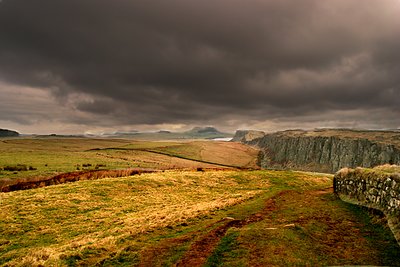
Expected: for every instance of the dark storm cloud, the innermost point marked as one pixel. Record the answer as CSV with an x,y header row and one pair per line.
x,y
184,61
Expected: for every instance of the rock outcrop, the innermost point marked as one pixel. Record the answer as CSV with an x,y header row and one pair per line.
x,y
246,135
8,133
318,151
377,188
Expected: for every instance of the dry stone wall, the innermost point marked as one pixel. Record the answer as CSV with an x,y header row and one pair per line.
x,y
372,188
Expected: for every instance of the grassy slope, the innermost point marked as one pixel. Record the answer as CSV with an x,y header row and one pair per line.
x,y
227,153
154,219
54,155
58,223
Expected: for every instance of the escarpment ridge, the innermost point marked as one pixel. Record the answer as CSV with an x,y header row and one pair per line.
x,y
326,150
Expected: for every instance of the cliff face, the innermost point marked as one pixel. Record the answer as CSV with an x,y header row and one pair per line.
x,y
322,153
246,136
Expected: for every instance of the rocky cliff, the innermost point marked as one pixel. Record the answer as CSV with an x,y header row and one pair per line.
x,y
327,152
8,133
246,135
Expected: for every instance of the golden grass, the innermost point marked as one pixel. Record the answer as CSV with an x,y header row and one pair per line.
x,y
226,153
388,168
145,159
230,153
47,226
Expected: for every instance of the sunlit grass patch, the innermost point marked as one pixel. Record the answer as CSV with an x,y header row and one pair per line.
x,y
57,223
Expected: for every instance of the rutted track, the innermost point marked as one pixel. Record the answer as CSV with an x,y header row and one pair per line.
x,y
340,235
201,249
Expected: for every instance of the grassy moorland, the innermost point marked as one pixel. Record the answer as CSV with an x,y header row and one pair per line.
x,y
35,157
187,218
177,217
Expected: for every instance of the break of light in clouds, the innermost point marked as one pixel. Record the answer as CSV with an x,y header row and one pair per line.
x,y
71,66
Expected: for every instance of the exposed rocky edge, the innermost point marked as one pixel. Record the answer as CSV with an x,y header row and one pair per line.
x,y
377,188
322,152
247,135
8,133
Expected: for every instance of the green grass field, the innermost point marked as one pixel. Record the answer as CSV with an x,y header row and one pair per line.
x,y
50,156
178,217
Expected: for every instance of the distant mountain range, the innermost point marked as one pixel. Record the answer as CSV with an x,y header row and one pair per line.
x,y
195,133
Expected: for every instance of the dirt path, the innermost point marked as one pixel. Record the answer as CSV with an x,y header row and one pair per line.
x,y
343,238
201,249
151,256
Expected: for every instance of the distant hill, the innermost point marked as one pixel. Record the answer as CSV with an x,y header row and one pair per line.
x,y
195,133
204,130
164,132
206,133
8,133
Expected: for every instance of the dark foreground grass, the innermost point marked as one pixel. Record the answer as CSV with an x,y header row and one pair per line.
x,y
310,229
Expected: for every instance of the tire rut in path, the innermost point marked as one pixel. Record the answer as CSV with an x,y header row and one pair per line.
x,y
201,249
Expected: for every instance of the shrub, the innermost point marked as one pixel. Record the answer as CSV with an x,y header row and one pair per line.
x,y
98,166
18,167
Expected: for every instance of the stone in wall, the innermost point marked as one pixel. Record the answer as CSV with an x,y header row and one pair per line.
x,y
377,188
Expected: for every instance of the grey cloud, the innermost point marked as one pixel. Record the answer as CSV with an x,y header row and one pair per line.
x,y
180,61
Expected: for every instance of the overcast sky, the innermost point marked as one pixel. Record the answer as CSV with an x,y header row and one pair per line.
x,y
75,66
